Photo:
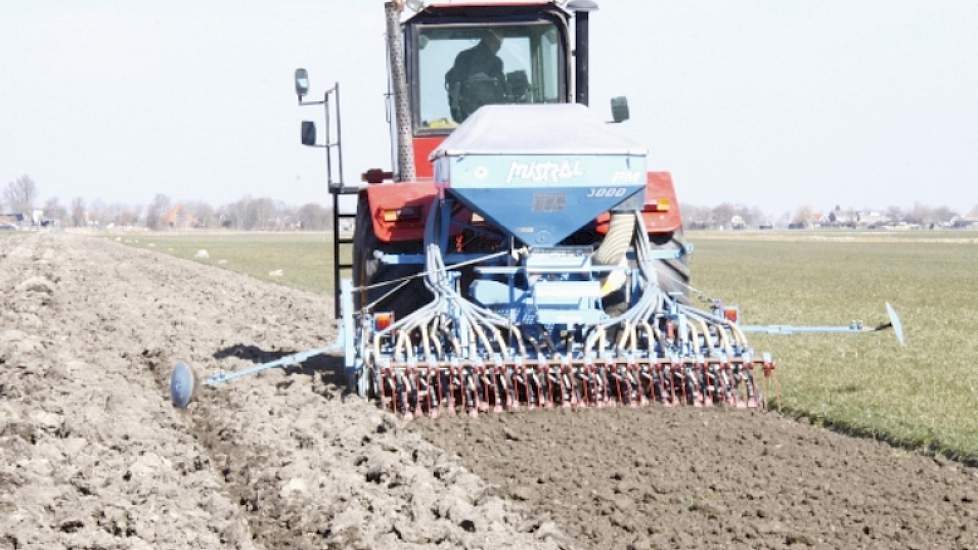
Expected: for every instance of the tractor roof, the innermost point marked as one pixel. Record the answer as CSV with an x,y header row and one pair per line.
x,y
551,129
452,5
487,3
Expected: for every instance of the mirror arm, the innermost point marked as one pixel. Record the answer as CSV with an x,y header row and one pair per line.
x,y
323,101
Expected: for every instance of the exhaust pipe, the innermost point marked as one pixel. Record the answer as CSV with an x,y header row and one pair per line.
x,y
582,13
402,103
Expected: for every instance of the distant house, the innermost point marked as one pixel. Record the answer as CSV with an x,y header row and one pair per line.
x,y
12,218
737,223
901,226
178,218
870,219
964,222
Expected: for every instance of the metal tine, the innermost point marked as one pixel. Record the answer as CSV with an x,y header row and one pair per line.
x,y
512,391
497,385
703,383
450,406
434,400
471,392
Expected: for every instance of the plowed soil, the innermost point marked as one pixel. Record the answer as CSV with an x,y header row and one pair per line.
x,y
92,455
695,478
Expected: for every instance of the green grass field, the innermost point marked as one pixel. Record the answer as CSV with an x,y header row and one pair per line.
x,y
305,259
922,396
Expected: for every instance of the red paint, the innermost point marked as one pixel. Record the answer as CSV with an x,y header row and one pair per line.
x,y
658,185
423,147
394,196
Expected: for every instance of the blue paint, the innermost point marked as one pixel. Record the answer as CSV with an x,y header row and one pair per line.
x,y
548,171
542,199
346,307
541,216
560,291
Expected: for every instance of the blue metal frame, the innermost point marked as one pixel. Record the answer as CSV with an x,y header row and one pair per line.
x,y
856,327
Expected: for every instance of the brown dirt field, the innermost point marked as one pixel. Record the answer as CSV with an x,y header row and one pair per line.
x,y
694,478
92,455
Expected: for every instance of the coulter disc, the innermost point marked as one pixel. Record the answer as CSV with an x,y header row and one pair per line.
x,y
183,385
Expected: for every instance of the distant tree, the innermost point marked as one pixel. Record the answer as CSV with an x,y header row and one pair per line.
x,y
259,214
124,215
78,218
895,214
202,214
694,217
54,211
98,213
155,211
943,214
228,215
750,216
974,212
757,217
20,195
918,214
722,214
804,214
313,217
783,220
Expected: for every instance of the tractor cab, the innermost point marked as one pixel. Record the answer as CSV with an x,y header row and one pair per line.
x,y
463,56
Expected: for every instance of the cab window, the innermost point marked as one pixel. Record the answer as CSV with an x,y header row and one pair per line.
x,y
463,67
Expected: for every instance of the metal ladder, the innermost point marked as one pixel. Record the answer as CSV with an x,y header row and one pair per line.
x,y
338,243
337,188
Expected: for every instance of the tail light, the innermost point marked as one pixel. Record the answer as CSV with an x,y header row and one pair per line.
x,y
661,205
731,313
408,213
382,321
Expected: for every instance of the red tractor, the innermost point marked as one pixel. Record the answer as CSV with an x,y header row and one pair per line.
x,y
519,253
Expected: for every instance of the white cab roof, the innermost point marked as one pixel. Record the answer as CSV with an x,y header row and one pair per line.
x,y
552,129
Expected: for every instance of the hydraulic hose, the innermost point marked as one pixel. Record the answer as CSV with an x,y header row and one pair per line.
x,y
613,249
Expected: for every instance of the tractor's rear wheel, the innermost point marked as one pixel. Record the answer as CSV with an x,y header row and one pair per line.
x,y
674,275
368,270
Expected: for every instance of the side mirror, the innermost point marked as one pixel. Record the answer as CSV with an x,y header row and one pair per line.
x,y
619,109
301,83
308,133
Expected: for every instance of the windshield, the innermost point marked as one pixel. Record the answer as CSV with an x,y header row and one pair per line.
x,y
464,67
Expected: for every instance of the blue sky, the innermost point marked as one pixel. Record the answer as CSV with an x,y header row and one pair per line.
x,y
773,103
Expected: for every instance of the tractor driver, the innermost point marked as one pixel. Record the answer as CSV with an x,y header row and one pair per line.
x,y
476,78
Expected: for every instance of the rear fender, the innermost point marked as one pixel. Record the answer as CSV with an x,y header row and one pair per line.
x,y
384,198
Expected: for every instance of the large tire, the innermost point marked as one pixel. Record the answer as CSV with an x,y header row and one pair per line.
x,y
368,270
674,275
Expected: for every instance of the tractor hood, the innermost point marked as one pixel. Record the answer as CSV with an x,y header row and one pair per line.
x,y
540,172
